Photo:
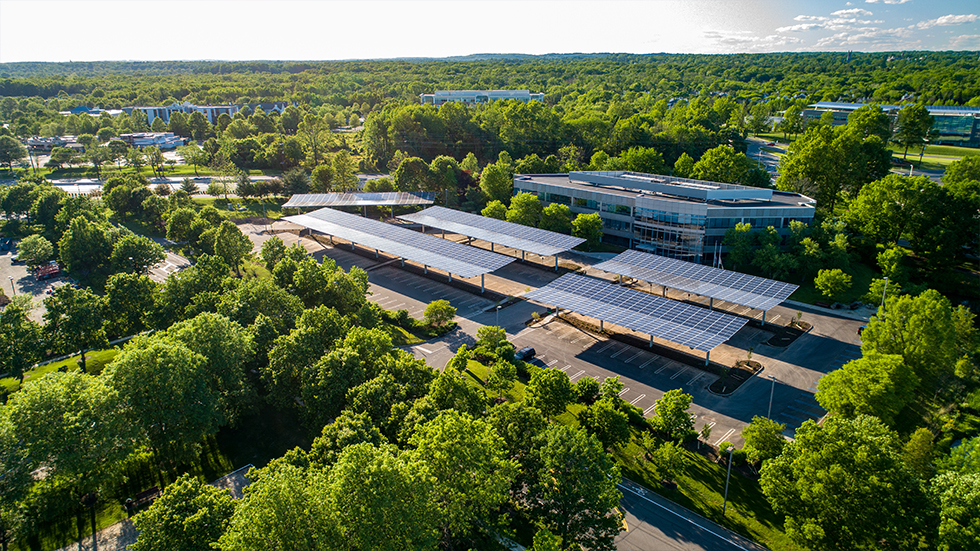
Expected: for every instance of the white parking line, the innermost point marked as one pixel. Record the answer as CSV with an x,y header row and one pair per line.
x,y
423,350
604,348
624,391
649,409
637,399
663,367
725,437
618,352
678,374
395,307
646,363
695,378
552,362
634,356
566,367
577,375
773,320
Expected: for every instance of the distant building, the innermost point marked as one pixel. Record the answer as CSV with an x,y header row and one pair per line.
x,y
956,125
211,112
665,215
162,140
44,144
478,96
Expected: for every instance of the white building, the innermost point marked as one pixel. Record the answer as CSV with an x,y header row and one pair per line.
x,y
478,96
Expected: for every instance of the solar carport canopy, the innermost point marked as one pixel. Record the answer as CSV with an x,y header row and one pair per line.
x,y
743,289
659,317
360,199
508,234
449,256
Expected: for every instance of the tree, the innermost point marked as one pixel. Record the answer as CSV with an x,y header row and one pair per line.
x,y
959,498
11,151
723,164
912,127
556,217
273,250
671,415
832,283
71,426
75,320
738,241
604,420
136,254
344,170
925,330
188,516
84,247
495,184
875,384
963,170
550,391
20,339
439,312
668,459
793,121
315,133
831,483
684,165
467,471
16,481
870,120
287,508
525,209
573,490
643,159
232,245
35,250
166,396
383,499
495,209
129,299
588,227
763,439
347,430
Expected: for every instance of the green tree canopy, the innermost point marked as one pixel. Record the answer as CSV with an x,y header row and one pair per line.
x,y
188,516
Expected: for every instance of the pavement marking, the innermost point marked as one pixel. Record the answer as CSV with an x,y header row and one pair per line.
x,y
577,375
566,367
695,378
552,362
624,391
637,399
618,352
604,348
649,409
709,425
423,350
725,437
395,307
773,320
678,374
581,338
634,356
663,367
646,363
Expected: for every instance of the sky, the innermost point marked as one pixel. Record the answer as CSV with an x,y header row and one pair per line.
x,y
152,30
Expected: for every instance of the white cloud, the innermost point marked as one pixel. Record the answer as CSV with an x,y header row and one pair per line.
x,y
810,18
885,1
901,37
800,27
745,41
965,42
852,11
947,20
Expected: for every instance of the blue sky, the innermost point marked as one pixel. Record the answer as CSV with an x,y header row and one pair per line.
x,y
86,30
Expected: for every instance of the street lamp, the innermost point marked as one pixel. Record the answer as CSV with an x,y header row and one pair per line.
x,y
771,392
12,290
883,293
731,449
497,332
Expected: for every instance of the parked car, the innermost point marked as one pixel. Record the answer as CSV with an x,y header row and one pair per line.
x,y
525,354
14,259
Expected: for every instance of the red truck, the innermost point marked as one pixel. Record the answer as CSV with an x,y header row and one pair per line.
x,y
47,271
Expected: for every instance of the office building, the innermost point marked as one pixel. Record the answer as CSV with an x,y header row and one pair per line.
x,y
665,215
478,96
954,125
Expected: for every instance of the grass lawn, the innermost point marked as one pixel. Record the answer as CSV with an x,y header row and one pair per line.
x,y
253,207
861,276
94,362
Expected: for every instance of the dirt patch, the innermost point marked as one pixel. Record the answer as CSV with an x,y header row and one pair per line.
x,y
785,336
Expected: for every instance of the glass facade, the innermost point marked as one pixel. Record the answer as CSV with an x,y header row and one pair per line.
x,y
671,234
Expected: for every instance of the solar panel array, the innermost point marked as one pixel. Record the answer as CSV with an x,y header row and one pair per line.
x,y
449,256
663,318
361,199
509,234
743,289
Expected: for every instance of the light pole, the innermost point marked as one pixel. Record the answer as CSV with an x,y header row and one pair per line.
x,y
89,500
12,290
724,505
497,332
771,392
883,293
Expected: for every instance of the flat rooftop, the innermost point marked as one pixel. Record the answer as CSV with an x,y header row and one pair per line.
x,y
778,198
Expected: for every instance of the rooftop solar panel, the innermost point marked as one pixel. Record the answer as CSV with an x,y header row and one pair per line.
x,y
445,255
509,234
360,199
734,287
663,318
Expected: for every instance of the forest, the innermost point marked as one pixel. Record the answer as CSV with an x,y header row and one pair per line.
x,y
278,341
